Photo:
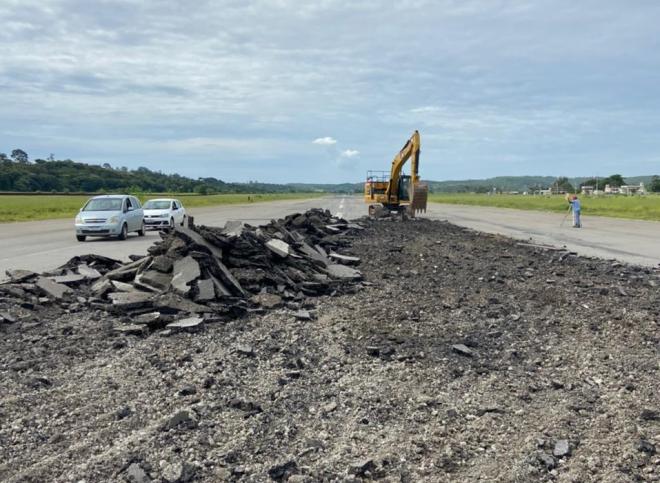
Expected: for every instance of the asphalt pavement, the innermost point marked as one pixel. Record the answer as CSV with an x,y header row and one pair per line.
x,y
44,245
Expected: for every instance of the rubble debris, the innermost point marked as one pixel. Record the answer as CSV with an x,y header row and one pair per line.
x,y
7,318
205,290
122,286
225,271
88,272
645,446
130,300
562,448
18,276
102,287
52,289
245,350
180,420
162,263
154,280
281,472
68,279
128,271
135,474
303,315
362,467
279,247
185,271
547,460
148,318
348,260
267,300
172,303
187,323
343,272
463,350
233,229
646,415
179,472
132,329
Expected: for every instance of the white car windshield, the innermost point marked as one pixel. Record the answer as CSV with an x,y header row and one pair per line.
x,y
157,205
103,204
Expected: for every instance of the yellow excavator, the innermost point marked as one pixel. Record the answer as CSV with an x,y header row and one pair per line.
x,y
394,191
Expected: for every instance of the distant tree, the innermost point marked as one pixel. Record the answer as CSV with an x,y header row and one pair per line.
x,y
655,184
615,180
201,189
19,156
51,157
562,184
107,166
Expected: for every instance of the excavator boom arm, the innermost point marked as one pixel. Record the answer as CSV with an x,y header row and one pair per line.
x,y
410,150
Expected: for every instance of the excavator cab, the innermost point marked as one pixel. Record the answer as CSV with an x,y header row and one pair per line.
x,y
405,182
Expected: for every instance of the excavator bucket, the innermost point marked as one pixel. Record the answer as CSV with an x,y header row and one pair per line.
x,y
420,196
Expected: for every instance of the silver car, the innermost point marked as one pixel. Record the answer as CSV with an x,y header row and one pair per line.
x,y
110,215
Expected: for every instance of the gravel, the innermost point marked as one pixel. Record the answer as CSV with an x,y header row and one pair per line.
x,y
454,360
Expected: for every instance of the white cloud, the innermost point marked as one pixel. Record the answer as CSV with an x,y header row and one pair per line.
x,y
349,153
326,141
424,109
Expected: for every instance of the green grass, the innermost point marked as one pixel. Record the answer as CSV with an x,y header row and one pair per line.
x,y
45,207
634,207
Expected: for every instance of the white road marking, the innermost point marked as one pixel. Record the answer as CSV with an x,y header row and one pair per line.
x,y
340,213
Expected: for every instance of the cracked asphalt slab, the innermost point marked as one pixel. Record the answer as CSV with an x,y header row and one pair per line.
x,y
463,356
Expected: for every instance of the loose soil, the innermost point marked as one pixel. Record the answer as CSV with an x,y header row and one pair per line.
x,y
463,357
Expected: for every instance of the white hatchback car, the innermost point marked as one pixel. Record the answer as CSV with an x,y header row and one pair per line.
x,y
163,213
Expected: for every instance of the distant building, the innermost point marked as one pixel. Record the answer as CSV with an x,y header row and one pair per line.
x,y
588,190
611,190
628,189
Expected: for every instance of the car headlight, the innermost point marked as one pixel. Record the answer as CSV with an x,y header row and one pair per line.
x,y
79,220
113,219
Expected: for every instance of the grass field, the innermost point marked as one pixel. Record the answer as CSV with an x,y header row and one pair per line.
x,y
44,207
635,207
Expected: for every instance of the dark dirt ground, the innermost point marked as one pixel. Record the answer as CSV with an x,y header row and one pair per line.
x,y
556,351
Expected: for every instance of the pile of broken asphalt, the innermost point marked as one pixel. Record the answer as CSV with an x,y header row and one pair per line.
x,y
451,356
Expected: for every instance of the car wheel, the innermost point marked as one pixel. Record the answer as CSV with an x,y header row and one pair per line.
x,y
183,220
81,238
124,232
170,227
141,230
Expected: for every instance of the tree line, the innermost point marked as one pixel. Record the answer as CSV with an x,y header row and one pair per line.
x,y
18,173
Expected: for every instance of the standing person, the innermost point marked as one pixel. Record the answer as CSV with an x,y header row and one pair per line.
x,y
576,207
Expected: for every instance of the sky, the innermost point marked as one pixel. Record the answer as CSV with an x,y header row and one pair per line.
x,y
321,91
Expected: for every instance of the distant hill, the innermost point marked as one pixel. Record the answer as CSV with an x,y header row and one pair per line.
x,y
500,183
66,176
